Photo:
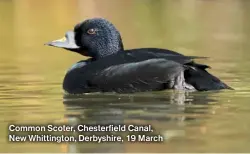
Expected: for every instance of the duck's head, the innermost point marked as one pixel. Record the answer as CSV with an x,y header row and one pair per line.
x,y
95,37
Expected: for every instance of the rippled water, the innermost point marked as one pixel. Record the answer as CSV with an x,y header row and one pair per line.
x,y
31,74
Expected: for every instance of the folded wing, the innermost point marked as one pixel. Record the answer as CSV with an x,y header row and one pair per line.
x,y
152,74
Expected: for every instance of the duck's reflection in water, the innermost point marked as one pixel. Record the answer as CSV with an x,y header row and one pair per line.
x,y
167,112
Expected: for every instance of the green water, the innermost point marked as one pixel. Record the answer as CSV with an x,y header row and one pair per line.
x,y
31,74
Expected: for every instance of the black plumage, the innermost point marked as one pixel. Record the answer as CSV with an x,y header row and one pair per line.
x,y
113,69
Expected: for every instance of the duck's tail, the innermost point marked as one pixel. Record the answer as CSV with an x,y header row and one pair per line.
x,y
201,80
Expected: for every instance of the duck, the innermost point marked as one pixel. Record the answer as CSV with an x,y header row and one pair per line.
x,y
111,68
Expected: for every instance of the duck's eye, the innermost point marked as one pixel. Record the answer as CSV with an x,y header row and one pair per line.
x,y
91,31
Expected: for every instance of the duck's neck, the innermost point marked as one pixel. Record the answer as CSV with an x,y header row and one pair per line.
x,y
108,49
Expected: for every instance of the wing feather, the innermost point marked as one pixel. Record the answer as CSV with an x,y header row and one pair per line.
x,y
139,76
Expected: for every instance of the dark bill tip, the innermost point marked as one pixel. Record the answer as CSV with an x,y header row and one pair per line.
x,y
48,44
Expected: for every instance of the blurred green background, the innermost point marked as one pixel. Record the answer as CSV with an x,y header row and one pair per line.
x,y
31,74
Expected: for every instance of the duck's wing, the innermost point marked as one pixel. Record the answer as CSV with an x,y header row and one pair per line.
x,y
158,52
147,53
152,74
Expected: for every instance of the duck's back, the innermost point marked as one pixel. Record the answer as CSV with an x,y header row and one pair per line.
x,y
125,72
140,70
195,73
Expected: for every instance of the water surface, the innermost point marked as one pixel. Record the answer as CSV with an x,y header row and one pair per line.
x,y
31,74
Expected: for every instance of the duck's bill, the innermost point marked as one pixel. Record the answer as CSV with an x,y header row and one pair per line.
x,y
67,42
